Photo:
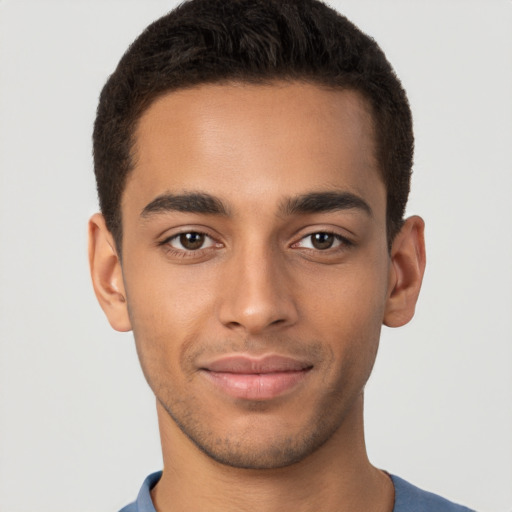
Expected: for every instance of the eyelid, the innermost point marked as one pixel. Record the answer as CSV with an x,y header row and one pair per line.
x,y
339,241
343,234
177,236
183,253
173,232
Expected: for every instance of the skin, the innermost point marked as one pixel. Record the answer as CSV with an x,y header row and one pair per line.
x,y
260,284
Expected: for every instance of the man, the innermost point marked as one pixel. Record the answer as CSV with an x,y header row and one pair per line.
x,y
253,161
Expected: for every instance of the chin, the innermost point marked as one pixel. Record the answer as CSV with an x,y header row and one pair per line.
x,y
260,445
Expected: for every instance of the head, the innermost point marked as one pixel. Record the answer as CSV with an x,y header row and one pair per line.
x,y
253,162
257,42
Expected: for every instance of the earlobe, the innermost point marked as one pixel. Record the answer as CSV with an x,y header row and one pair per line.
x,y
106,274
406,272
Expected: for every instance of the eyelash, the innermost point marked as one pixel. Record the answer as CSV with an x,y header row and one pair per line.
x,y
343,244
187,253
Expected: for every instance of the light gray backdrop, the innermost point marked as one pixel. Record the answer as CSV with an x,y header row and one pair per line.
x,y
77,421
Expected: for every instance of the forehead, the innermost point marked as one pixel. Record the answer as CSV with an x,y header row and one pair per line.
x,y
239,141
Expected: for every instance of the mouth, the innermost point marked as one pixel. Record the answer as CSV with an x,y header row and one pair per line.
x,y
256,378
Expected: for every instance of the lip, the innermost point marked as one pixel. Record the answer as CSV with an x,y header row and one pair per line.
x,y
256,378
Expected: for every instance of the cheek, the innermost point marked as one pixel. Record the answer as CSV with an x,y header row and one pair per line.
x,y
347,308
351,295
165,297
168,311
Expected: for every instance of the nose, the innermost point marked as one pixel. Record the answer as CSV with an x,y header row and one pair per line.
x,y
257,293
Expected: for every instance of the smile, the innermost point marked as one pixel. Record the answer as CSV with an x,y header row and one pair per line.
x,y
251,378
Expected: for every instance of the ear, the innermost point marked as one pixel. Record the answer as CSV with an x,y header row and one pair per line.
x,y
406,272
106,274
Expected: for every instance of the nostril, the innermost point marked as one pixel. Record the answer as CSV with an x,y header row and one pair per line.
x,y
233,325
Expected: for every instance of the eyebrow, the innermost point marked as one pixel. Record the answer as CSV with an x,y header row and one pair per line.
x,y
318,202
200,202
191,202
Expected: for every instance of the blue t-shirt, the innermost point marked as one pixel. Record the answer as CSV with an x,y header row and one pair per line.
x,y
408,498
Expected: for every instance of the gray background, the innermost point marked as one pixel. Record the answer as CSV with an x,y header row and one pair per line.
x,y
77,422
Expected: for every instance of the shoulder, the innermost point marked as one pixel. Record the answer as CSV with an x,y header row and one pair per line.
x,y
132,507
143,502
409,498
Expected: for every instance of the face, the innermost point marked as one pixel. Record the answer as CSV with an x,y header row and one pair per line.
x,y
255,264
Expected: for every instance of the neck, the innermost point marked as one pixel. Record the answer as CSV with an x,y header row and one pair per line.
x,y
337,477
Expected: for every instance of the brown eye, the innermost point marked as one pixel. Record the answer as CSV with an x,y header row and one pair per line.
x,y
322,241
192,241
